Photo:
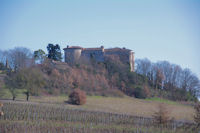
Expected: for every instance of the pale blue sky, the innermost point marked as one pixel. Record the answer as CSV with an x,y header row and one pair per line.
x,y
156,29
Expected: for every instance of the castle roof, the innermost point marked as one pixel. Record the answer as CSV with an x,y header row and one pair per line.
x,y
117,49
92,49
99,48
73,47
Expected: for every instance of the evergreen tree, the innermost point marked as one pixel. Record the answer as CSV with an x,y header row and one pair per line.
x,y
54,52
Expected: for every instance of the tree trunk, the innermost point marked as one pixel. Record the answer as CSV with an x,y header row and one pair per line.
x,y
13,98
27,96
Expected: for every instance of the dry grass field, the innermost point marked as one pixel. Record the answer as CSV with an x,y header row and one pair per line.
x,y
99,114
125,105
138,107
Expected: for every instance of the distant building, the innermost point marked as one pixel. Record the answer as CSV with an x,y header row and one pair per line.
x,y
73,53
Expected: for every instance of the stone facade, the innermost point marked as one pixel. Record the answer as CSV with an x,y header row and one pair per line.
x,y
73,54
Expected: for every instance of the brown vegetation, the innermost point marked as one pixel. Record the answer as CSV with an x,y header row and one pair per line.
x,y
197,115
77,97
1,105
162,115
1,113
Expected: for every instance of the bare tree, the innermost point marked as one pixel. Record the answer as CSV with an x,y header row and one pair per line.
x,y
162,115
193,85
3,56
159,79
175,79
169,76
171,73
185,76
166,68
143,66
19,57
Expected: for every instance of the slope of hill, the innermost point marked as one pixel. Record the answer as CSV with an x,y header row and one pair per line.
x,y
21,116
109,78
126,105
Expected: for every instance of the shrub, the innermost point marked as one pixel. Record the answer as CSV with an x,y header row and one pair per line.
x,y
161,116
1,113
77,97
147,91
140,93
1,105
197,115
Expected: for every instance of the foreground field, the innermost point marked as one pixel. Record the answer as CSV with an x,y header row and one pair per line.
x,y
43,117
126,105
52,114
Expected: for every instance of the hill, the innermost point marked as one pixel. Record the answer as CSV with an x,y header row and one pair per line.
x,y
109,78
112,76
122,100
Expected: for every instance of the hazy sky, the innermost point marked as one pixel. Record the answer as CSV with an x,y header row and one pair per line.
x,y
155,29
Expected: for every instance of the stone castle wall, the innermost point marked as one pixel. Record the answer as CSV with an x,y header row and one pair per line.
x,y
73,54
125,55
98,55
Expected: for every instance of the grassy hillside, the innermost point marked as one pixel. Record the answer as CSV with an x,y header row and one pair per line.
x,y
42,117
132,106
100,114
125,105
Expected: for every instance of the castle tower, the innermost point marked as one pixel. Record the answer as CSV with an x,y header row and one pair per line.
x,y
72,54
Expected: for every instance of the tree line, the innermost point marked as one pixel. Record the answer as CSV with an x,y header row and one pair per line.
x,y
20,57
19,65
170,77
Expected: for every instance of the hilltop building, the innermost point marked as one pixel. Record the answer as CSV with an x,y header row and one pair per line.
x,y
73,53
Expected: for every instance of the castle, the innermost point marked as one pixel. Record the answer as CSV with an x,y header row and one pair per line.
x,y
73,53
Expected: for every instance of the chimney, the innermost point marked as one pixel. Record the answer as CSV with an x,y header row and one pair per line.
x,y
102,48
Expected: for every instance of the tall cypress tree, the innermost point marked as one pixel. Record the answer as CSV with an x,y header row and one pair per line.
x,y
54,52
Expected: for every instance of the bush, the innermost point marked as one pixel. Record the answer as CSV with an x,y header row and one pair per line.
x,y
140,93
161,116
181,95
1,104
197,115
1,112
77,97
